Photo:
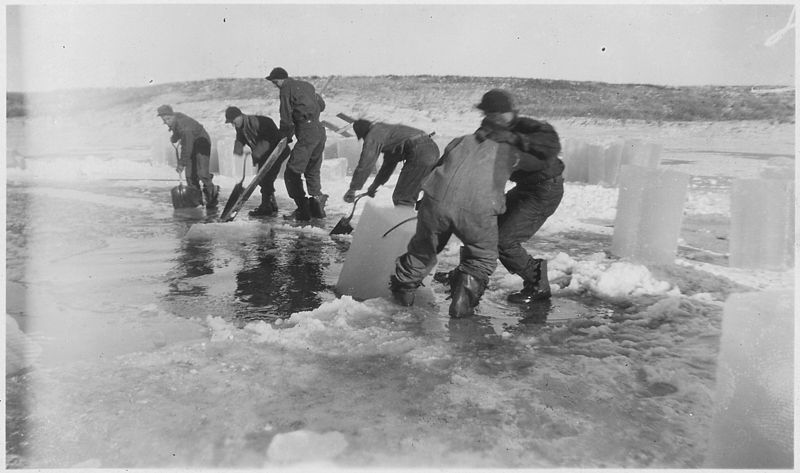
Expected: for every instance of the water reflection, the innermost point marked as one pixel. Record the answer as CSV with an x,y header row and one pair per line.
x,y
194,260
283,276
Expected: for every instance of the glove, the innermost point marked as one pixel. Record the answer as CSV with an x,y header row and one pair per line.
x,y
372,190
349,196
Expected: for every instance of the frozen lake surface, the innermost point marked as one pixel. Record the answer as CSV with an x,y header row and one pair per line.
x,y
155,345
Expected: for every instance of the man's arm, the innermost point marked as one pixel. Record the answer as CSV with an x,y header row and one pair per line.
x,y
369,156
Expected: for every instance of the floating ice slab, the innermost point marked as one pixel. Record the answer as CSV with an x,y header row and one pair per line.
x,y
649,214
371,258
752,425
235,230
762,224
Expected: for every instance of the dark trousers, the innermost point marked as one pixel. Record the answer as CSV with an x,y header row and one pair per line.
x,y
198,169
435,225
305,160
422,157
267,184
527,208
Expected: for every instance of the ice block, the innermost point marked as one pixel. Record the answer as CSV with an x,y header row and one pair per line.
x,y
371,258
331,150
163,152
334,169
230,165
639,153
649,214
612,156
753,415
595,164
762,224
577,166
349,148
778,167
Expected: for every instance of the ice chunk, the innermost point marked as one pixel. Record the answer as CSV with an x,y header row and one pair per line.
x,y
334,169
639,153
370,260
575,160
231,165
649,214
331,150
753,417
234,231
349,148
762,224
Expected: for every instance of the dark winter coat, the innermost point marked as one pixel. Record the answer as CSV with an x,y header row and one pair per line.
x,y
260,134
187,130
541,140
298,103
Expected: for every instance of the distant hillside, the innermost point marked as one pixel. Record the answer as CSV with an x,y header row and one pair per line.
x,y
536,97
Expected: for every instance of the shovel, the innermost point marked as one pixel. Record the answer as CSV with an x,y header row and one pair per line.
x,y
344,227
237,190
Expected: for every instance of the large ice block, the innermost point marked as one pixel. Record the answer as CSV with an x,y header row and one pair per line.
x,y
230,165
575,160
612,156
371,258
334,169
163,152
762,224
596,165
331,150
349,148
640,153
753,416
649,214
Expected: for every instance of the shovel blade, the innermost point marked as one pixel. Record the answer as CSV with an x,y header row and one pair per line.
x,y
185,197
343,227
235,193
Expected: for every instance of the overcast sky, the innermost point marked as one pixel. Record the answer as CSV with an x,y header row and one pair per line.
x,y
80,45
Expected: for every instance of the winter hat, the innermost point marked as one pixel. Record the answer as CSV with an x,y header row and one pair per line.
x,y
496,101
278,73
361,127
165,110
231,113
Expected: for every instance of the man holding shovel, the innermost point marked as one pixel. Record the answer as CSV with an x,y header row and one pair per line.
x,y
195,153
261,135
397,143
300,107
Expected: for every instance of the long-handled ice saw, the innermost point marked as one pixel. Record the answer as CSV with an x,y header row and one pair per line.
x,y
344,227
248,191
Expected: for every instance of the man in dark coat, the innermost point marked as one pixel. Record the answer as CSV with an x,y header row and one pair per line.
x,y
261,135
195,153
397,143
299,111
463,196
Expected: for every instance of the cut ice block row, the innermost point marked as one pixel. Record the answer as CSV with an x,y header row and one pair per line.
x,y
595,164
640,153
230,165
163,152
753,412
334,168
370,261
762,224
575,161
649,214
612,158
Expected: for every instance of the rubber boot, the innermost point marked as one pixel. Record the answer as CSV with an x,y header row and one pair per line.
x,y
403,292
466,291
268,207
303,211
535,285
211,196
317,204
